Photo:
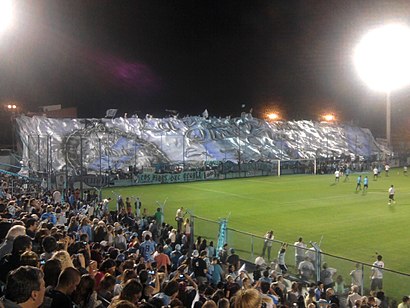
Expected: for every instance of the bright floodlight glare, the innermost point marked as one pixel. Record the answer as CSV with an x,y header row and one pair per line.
x,y
382,58
6,14
273,116
329,117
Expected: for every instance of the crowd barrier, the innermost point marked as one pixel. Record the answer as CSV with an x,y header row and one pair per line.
x,y
221,171
249,246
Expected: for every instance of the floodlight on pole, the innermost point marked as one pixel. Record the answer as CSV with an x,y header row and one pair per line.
x,y
329,117
6,14
383,63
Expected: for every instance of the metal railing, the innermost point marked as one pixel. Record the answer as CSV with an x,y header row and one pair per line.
x,y
249,246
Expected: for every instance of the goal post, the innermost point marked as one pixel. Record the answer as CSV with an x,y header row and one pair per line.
x,y
297,166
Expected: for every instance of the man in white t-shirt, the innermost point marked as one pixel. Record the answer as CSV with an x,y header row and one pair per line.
x,y
300,249
377,274
391,195
375,173
386,169
337,175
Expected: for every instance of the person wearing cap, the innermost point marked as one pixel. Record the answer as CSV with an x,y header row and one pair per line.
x,y
175,255
199,266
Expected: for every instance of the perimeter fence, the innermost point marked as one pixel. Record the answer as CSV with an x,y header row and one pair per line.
x,y
249,246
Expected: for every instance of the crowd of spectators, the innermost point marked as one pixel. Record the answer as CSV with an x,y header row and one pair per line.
x,y
61,250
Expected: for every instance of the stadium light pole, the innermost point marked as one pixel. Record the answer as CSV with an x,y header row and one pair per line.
x,y
6,15
382,61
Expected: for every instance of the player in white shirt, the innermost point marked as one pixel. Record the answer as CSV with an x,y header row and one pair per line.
x,y
337,175
375,173
391,195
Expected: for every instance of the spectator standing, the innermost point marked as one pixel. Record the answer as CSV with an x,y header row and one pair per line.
x,y
353,296
267,244
326,276
357,277
234,260
199,267
281,258
179,217
377,274
300,249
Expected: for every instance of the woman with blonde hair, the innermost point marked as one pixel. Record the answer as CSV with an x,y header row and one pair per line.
x,y
64,258
248,298
187,229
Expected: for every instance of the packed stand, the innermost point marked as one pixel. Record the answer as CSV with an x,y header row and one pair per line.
x,y
63,251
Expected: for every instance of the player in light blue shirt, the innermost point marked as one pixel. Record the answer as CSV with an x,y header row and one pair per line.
x,y
359,183
365,184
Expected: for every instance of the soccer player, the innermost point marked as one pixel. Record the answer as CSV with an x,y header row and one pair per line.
x,y
337,175
386,169
347,173
405,170
391,195
365,184
359,183
375,173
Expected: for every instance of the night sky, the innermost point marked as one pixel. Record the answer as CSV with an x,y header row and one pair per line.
x,y
149,56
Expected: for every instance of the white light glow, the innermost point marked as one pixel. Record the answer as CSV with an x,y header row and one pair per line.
x,y
382,58
329,117
273,116
6,14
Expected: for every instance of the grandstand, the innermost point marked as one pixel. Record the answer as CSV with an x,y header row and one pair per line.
x,y
95,146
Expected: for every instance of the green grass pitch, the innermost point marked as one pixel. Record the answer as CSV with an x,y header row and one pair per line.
x,y
354,225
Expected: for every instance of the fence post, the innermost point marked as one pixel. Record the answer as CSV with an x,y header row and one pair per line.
x,y
362,286
252,248
192,236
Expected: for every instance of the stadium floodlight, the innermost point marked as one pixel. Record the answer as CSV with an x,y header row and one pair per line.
x,y
329,117
273,116
382,61
6,14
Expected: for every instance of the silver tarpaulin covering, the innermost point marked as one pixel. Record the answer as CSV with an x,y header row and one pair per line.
x,y
102,144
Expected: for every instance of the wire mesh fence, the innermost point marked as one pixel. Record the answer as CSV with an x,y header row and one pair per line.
x,y
339,272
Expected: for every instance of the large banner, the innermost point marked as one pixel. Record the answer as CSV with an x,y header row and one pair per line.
x,y
96,146
189,176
